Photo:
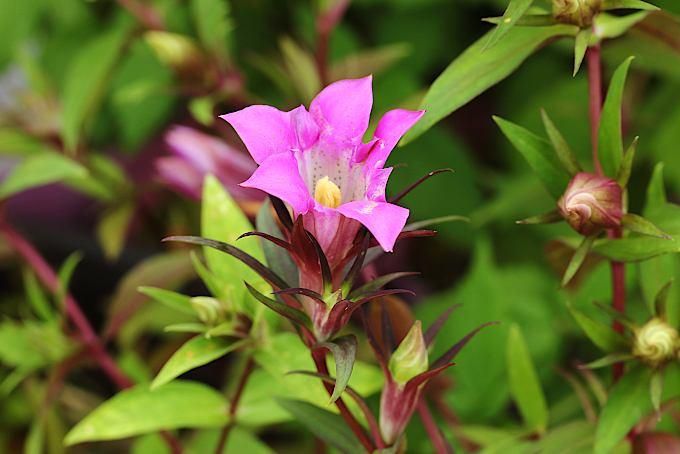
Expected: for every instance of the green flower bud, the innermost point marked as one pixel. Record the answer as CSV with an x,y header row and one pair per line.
x,y
576,12
410,358
176,51
209,310
656,342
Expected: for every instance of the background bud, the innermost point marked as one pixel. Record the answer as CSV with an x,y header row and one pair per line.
x,y
410,358
209,310
656,342
591,203
576,12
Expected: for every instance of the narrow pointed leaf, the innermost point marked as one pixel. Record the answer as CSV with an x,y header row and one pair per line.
x,y
661,300
271,238
610,144
656,389
627,164
562,149
525,386
344,351
177,301
279,260
627,404
612,26
531,20
367,297
628,4
580,47
656,190
328,426
302,291
600,334
138,410
193,328
608,360
616,315
196,352
323,263
640,225
451,353
546,218
282,212
539,155
417,183
438,324
358,263
577,259
475,71
248,259
514,11
290,313
434,221
378,283
426,376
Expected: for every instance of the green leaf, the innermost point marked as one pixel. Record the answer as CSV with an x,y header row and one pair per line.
x,y
344,351
562,148
65,273
514,11
580,47
39,170
634,249
600,334
525,386
474,71
213,25
112,229
627,404
661,301
539,154
574,436
610,143
301,69
546,218
328,426
643,226
626,167
608,360
608,26
577,259
292,314
223,220
86,80
656,388
196,352
139,410
279,259
36,296
656,190
171,299
369,61
31,345
14,142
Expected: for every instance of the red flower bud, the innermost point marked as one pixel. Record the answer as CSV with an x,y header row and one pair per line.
x,y
591,203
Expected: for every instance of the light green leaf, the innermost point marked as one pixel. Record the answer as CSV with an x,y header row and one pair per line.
x,y
626,167
600,334
65,273
474,71
86,80
171,299
344,351
196,352
628,4
39,170
14,142
539,155
562,148
634,249
577,259
656,190
36,296
369,61
610,143
31,345
572,437
301,69
514,11
223,220
580,47
643,226
608,26
136,411
112,229
279,259
627,404
326,425
525,386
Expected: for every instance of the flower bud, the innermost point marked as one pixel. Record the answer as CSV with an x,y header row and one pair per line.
x,y
576,12
174,50
656,342
591,203
410,358
209,310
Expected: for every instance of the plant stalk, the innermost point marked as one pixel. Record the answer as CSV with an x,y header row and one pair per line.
x,y
245,375
438,442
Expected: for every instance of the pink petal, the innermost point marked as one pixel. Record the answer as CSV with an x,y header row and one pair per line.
x,y
384,220
278,175
306,129
377,181
264,130
391,127
343,108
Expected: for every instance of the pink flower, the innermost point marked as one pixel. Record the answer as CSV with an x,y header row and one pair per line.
x,y
196,155
316,162
591,203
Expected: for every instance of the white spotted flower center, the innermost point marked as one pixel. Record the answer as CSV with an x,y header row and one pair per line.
x,y
327,193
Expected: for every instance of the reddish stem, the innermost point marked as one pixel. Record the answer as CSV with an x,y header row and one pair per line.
x,y
145,14
325,23
245,374
595,98
438,442
86,333
593,58
319,357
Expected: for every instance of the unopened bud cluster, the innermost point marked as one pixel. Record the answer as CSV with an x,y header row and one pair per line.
x,y
656,342
576,12
592,203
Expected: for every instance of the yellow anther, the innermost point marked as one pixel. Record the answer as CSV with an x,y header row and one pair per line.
x,y
327,193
